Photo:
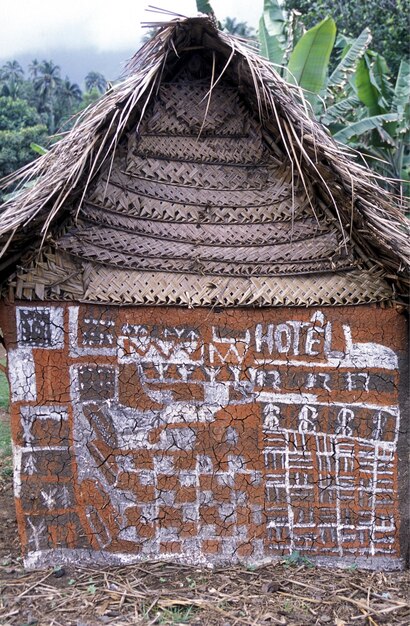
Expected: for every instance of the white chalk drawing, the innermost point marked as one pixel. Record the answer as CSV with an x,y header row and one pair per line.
x,y
40,327
98,341
288,452
37,327
307,417
37,531
30,465
29,415
343,422
22,374
271,415
26,456
303,463
49,497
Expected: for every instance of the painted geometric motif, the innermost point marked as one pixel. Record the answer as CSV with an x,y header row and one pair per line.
x,y
204,437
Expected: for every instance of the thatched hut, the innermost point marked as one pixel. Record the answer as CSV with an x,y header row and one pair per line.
x,y
201,307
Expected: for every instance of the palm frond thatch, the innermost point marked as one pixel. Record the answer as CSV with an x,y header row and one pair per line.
x,y
349,193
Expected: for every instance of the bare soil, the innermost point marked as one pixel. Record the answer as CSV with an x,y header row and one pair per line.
x,y
290,594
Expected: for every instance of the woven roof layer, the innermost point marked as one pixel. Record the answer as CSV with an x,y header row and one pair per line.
x,y
202,180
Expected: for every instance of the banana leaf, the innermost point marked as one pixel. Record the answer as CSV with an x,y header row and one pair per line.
x,y
401,96
203,6
309,61
366,90
37,148
372,83
381,76
350,60
357,129
272,31
337,112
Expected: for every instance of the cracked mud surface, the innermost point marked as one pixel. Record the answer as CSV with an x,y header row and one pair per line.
x,y
291,593
207,437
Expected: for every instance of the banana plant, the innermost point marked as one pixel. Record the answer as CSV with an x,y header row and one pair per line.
x,y
352,53
304,56
273,32
372,84
309,60
278,30
351,101
356,101
203,6
382,133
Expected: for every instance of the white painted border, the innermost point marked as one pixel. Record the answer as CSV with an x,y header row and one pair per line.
x,y
56,323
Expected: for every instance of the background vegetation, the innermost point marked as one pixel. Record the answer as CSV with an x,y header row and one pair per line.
x,y
388,21
5,435
4,388
348,57
36,105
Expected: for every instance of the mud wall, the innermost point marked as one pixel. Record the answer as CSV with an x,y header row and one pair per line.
x,y
207,436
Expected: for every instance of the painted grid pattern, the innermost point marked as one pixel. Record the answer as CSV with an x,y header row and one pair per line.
x,y
296,472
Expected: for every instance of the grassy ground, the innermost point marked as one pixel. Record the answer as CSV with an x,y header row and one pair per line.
x,y
6,465
4,389
5,436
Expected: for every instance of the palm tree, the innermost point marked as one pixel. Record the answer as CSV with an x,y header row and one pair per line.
x,y
46,85
12,71
11,78
48,79
34,68
67,95
95,80
70,91
10,89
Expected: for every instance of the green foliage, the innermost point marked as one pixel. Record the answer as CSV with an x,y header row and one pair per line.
x,y
11,77
6,468
16,113
4,397
95,80
240,29
178,614
367,87
203,6
359,128
92,589
15,150
6,464
353,51
272,34
20,125
386,143
278,31
357,102
35,106
296,559
388,21
12,70
309,60
38,149
89,97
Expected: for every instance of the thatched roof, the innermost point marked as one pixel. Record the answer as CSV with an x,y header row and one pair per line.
x,y
201,179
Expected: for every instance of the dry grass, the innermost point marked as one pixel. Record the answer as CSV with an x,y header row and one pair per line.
x,y
160,593
366,214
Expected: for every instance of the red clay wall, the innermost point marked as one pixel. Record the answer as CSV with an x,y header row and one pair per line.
x,y
206,436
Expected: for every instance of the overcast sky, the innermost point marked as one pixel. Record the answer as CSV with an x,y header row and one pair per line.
x,y
39,25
